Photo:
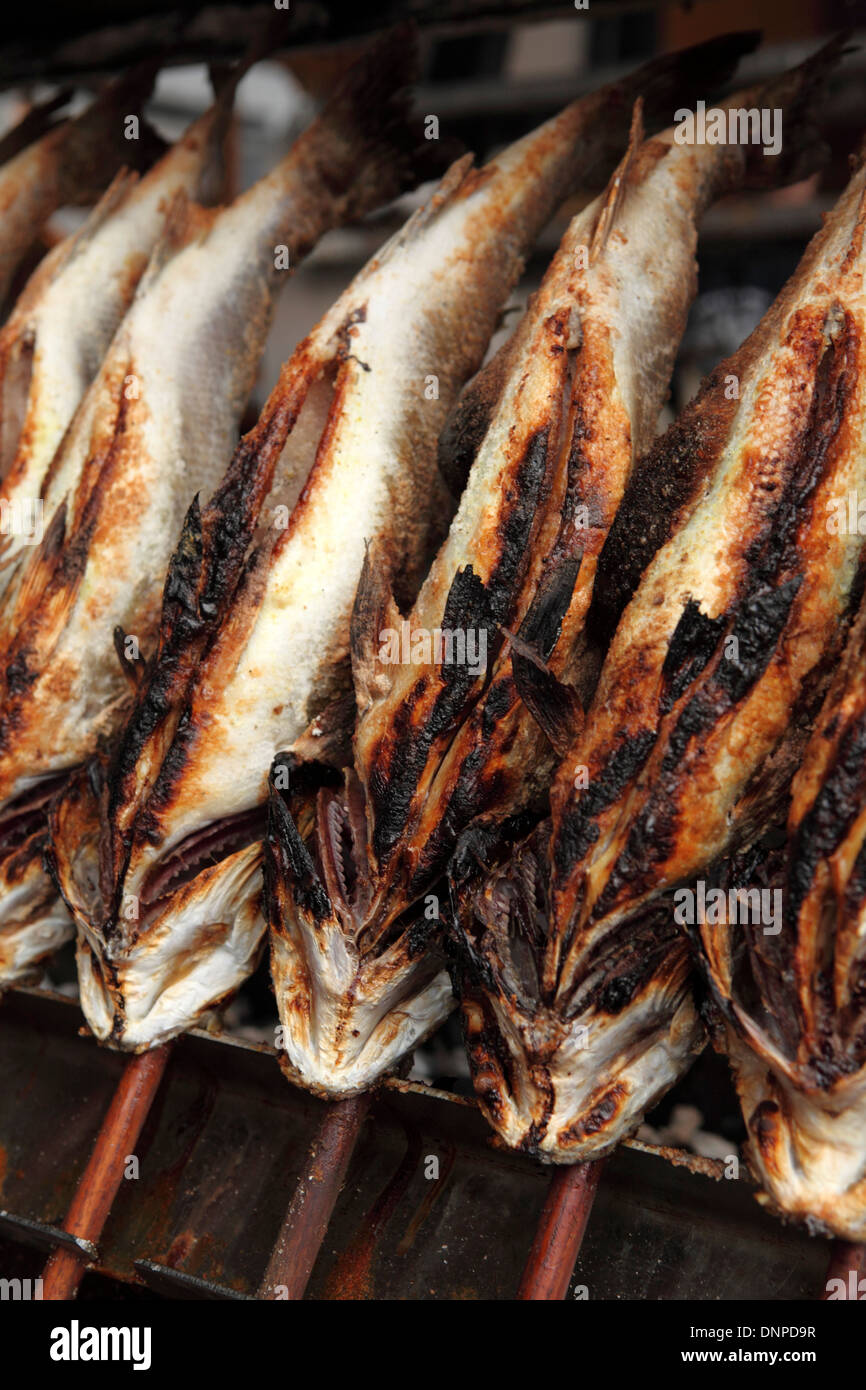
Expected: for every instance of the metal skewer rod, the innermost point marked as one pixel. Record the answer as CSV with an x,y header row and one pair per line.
x,y
559,1234
97,1188
306,1221
845,1258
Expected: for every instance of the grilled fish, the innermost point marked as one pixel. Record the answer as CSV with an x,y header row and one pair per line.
x,y
578,1021
786,1004
69,162
157,426
54,341
256,622
554,424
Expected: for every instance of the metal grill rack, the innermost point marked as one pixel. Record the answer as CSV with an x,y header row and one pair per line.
x,y
245,1187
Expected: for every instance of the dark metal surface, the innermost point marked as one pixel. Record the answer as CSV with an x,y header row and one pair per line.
x,y
44,1236
430,1209
93,36
173,1283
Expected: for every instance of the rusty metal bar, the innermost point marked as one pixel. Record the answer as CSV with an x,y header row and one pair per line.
x,y
103,1175
306,1221
845,1259
559,1234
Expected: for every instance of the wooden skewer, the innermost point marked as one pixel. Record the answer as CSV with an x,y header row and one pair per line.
x,y
845,1259
306,1221
103,1175
559,1234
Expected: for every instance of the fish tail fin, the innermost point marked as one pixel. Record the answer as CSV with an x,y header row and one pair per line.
x,y
111,132
797,95
365,133
674,79
374,611
38,122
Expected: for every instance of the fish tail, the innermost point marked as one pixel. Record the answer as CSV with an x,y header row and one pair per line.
x,y
110,132
38,122
369,148
675,79
797,95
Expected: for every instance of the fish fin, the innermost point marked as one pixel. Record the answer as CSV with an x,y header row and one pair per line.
x,y
33,126
798,93
613,194
327,740
450,187
675,79
186,221
131,666
45,596
287,865
554,705
368,116
374,610
96,143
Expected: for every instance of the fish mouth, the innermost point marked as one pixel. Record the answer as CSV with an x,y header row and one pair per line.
x,y
34,923
564,1075
356,990
178,961
202,849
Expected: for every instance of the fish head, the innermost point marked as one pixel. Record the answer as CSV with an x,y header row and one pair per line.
x,y
563,1074
356,990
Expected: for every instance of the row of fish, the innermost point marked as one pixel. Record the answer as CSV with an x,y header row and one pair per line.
x,y
232,709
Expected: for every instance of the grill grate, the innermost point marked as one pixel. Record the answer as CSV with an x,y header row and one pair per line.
x,y
240,1188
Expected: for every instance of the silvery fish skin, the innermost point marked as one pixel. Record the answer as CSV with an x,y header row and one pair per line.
x,y
253,639
715,670
69,162
786,1005
159,424
355,913
53,343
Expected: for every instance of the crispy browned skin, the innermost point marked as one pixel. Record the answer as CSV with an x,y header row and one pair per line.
x,y
789,1008
695,728
155,430
579,394
554,424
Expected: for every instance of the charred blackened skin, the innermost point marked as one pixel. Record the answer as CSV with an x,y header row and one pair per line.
x,y
694,640
578,830
391,794
667,476
308,890
515,530
757,627
831,816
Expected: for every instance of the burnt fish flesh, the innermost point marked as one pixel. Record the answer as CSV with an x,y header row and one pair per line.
x,y
787,985
575,976
554,422
255,632
56,337
157,426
